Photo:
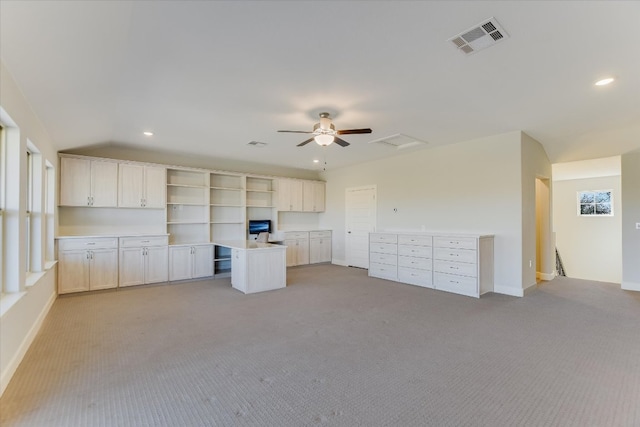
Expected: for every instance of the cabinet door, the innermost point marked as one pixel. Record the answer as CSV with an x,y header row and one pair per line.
x,y
303,251
131,266
292,252
103,269
289,195
156,268
239,269
319,250
319,196
296,196
73,271
104,184
313,196
130,185
202,261
308,197
75,182
155,187
180,258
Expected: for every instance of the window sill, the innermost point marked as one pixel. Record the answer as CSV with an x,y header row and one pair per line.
x,y
32,278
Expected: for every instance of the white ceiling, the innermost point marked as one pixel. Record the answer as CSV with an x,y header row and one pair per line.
x,y
208,77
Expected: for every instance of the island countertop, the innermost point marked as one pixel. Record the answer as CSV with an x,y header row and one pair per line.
x,y
247,244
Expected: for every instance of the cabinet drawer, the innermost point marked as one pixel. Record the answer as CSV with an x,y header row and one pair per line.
x,y
462,269
456,284
414,240
383,271
384,248
458,255
317,234
389,259
88,243
413,276
417,251
291,235
383,238
414,262
140,241
454,242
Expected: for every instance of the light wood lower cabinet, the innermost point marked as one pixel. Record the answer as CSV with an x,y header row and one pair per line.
x,y
190,261
452,263
297,243
87,264
143,260
319,246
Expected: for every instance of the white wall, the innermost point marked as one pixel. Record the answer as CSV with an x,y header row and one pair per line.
x,y
534,164
590,246
23,310
473,186
630,189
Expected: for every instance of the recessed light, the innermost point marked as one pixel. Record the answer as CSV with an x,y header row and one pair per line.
x,y
147,133
316,161
604,82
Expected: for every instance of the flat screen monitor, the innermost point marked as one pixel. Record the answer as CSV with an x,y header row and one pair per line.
x,y
257,226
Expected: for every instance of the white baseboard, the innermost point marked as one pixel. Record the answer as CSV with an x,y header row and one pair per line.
x,y
631,286
24,346
508,291
545,276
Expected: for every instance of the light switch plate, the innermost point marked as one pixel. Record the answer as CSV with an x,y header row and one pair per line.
x,y
637,225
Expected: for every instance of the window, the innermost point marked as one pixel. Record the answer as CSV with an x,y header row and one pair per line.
x,y
2,179
595,203
29,209
49,207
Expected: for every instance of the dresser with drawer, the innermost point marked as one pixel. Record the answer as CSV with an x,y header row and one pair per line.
x,y
462,264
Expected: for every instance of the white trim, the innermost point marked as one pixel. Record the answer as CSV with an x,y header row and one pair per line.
x,y
545,276
630,286
12,366
339,262
506,290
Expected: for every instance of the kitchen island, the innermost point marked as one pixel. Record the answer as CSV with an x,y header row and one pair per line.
x,y
255,266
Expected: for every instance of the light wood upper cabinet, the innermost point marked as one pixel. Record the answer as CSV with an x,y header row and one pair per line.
x,y
141,186
290,195
313,196
86,182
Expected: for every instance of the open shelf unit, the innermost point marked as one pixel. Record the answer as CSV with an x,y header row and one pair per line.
x,y
187,206
205,206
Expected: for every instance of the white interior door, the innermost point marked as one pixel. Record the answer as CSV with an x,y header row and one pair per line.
x,y
360,209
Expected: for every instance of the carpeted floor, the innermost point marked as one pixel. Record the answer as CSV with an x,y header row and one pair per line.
x,y
334,348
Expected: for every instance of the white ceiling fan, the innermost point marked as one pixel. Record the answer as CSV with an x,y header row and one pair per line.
x,y
325,133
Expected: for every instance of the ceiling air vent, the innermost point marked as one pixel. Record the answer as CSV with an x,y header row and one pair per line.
x,y
478,37
398,141
257,143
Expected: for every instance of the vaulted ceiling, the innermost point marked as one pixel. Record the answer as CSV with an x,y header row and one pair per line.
x,y
208,77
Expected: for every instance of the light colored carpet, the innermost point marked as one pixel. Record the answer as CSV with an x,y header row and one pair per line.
x,y
333,348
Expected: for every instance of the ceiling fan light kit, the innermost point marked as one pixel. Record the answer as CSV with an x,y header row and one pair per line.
x,y
325,133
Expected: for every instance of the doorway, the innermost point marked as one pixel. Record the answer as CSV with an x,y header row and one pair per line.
x,y
545,247
360,208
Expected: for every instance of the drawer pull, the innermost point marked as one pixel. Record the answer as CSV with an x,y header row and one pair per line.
x,y
454,254
145,241
455,268
90,244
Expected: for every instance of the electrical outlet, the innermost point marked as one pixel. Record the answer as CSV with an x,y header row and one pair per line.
x,y
530,264
637,225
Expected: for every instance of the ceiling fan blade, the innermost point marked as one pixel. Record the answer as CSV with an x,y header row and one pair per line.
x,y
353,131
305,142
296,131
340,142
